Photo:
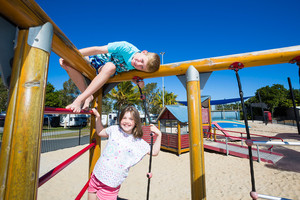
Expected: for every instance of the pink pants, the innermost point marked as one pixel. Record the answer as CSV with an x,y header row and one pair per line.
x,y
102,191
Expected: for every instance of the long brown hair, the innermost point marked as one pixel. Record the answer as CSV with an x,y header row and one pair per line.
x,y
137,130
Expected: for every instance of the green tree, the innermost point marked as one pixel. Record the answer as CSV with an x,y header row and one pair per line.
x,y
169,99
276,97
150,91
53,98
106,105
296,96
124,94
3,96
232,106
69,92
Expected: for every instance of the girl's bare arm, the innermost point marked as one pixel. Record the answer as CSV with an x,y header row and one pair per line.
x,y
157,143
100,130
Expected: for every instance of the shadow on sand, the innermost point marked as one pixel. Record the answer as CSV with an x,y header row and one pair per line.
x,y
291,159
119,198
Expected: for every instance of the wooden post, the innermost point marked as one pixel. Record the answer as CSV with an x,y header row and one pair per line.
x,y
20,155
95,152
179,137
196,134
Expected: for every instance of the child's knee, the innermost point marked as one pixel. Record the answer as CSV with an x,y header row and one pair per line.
x,y
65,67
109,68
63,64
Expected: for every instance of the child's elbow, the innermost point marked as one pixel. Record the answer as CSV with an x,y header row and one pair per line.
x,y
155,153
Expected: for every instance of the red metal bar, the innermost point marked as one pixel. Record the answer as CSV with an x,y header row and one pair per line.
x,y
233,137
81,193
51,110
240,138
251,134
63,165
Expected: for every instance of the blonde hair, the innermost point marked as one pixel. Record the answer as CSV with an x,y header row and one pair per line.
x,y
153,62
137,130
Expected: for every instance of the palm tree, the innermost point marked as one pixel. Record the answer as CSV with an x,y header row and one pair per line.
x,y
150,91
106,104
169,99
124,94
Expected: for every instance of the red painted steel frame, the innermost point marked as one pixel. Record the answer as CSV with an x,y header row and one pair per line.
x,y
81,193
63,165
50,110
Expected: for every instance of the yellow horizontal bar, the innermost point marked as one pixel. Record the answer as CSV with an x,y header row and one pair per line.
x,y
26,14
252,59
175,150
185,150
169,149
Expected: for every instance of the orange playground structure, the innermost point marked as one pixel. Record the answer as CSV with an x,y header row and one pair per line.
x,y
37,36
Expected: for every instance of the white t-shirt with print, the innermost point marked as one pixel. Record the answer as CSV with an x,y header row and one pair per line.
x,y
122,151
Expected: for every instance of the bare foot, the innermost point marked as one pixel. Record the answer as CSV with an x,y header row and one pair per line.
x,y
87,102
75,106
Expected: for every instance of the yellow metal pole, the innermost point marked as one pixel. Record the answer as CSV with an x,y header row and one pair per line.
x,y
159,124
198,189
209,114
215,135
20,153
179,137
95,152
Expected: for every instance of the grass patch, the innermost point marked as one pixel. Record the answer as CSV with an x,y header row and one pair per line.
x,y
73,132
66,135
60,128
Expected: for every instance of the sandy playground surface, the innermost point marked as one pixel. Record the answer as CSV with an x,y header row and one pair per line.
x,y
227,177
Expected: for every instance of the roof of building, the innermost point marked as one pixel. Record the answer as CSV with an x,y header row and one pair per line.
x,y
178,111
204,101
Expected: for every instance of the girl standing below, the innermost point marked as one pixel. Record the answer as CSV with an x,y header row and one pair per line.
x,y
124,149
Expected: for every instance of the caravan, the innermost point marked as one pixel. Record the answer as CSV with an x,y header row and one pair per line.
x,y
73,120
109,119
153,118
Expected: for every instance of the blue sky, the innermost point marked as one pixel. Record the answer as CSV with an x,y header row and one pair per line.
x,y
185,30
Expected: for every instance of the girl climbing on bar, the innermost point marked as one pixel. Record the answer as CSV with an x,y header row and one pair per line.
x,y
125,148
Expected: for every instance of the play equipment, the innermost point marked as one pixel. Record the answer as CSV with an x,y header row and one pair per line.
x,y
175,135
37,36
221,129
216,143
173,123
253,194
